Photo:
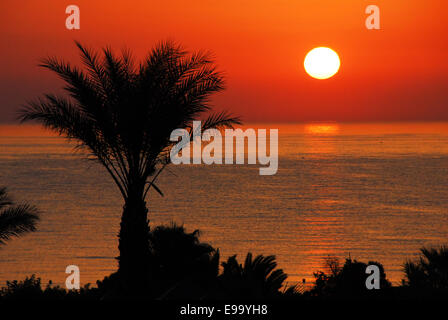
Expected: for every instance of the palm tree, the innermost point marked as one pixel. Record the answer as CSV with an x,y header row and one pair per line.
x,y
123,114
256,279
430,271
15,220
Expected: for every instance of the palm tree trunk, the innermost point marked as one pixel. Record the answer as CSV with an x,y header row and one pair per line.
x,y
134,260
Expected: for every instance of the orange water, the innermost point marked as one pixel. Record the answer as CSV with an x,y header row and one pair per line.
x,y
375,191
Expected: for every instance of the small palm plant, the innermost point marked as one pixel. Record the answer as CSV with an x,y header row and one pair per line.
x,y
430,271
184,264
15,219
179,253
123,114
256,279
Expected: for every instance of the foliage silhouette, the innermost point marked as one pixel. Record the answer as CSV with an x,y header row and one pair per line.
x,y
123,114
256,279
179,253
429,272
182,265
31,289
185,266
15,219
347,281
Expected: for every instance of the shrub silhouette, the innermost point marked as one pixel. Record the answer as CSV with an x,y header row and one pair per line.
x,y
179,254
31,289
182,266
430,271
348,281
188,269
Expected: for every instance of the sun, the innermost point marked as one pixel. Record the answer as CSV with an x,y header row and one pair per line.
x,y
322,63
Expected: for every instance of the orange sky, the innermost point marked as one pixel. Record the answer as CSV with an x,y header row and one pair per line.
x,y
397,73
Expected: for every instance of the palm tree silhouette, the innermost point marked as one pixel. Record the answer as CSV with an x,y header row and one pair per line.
x,y
15,219
256,279
430,271
123,114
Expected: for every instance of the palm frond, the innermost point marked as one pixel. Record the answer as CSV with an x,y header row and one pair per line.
x,y
14,221
4,198
221,120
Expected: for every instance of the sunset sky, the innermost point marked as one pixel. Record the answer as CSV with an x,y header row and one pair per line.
x,y
396,73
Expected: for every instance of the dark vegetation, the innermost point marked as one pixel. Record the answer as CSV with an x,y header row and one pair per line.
x,y
15,219
183,267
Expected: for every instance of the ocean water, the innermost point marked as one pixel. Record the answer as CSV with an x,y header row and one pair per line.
x,y
376,191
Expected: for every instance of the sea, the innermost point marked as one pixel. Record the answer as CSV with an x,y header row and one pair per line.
x,y
364,191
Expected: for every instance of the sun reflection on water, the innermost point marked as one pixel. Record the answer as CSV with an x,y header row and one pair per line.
x,y
322,128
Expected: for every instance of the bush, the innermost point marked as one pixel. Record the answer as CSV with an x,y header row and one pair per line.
x,y
429,272
31,289
348,281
